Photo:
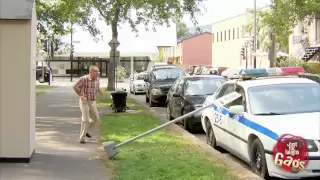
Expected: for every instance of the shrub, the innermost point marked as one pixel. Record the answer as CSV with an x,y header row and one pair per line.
x,y
309,67
121,72
313,77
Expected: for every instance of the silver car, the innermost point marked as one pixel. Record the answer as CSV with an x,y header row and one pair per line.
x,y
137,84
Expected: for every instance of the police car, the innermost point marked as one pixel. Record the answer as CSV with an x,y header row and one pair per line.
x,y
251,113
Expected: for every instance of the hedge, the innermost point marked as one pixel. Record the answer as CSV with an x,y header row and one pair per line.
x,y
313,68
313,77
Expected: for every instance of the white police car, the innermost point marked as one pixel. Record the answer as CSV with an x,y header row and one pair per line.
x,y
249,116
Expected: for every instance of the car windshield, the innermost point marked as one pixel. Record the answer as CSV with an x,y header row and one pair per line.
x,y
285,98
139,76
202,86
168,74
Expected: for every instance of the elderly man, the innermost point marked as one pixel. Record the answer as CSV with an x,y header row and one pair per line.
x,y
87,87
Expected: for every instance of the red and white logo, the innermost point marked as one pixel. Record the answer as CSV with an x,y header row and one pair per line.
x,y
290,153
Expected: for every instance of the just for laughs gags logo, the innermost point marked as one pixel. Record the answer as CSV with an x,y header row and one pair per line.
x,y
290,153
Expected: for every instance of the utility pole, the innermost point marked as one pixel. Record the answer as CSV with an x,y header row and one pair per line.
x,y
255,34
71,54
272,45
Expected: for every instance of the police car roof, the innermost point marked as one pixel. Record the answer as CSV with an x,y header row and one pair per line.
x,y
271,81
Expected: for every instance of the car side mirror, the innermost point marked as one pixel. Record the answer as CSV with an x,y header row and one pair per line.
x,y
176,95
236,110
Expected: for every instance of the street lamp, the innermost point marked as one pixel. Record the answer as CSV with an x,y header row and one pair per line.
x,y
255,33
114,54
246,44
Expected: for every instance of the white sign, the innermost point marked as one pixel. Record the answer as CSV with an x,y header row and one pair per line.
x,y
226,99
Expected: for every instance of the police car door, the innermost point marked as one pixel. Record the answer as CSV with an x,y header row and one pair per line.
x,y
236,129
219,117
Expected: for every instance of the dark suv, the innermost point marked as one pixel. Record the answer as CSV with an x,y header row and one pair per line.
x,y
39,76
158,80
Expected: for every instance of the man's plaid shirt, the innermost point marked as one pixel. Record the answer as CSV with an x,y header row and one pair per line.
x,y
88,87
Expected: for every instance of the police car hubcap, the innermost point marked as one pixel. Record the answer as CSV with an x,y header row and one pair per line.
x,y
258,159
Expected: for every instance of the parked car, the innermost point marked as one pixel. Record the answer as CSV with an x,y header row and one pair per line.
x,y
188,94
39,76
137,84
231,73
158,80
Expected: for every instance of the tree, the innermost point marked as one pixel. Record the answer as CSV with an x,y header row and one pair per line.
x,y
284,15
264,26
55,17
147,12
182,29
198,30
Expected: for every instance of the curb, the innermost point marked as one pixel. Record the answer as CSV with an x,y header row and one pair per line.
x,y
239,170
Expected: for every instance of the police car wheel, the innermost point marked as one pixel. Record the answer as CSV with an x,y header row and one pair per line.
x,y
210,137
258,159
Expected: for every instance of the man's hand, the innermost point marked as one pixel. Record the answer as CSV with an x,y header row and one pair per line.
x,y
83,98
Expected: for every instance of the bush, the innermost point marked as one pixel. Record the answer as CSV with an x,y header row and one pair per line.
x,y
313,77
309,67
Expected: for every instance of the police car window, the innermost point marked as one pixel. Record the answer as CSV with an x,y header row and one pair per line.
x,y
226,89
284,98
240,101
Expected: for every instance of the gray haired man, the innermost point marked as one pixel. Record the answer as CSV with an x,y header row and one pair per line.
x,y
87,87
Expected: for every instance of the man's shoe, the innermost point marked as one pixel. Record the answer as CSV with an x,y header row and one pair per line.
x,y
82,141
88,135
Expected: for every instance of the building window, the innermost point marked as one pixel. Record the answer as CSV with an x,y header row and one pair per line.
x,y
225,35
221,36
217,36
229,34
233,34
238,32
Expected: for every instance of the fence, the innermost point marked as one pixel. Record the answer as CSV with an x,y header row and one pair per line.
x,y
80,66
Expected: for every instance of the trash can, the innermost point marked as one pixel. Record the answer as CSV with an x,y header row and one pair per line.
x,y
119,101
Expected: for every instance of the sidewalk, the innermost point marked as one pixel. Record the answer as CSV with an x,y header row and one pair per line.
x,y
59,155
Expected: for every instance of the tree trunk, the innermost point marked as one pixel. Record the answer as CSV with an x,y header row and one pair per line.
x,y
112,64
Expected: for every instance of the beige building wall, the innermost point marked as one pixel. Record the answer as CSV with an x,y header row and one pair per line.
x,y
229,36
225,51
17,88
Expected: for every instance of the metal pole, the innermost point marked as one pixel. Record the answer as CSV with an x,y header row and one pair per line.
x,y
246,56
71,54
164,125
255,34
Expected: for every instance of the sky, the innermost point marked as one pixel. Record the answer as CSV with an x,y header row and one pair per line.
x,y
147,41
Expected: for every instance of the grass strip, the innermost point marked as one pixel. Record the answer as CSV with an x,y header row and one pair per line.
x,y
45,87
163,155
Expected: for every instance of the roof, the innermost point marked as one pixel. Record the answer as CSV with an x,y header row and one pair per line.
x,y
203,76
206,28
273,81
191,36
242,14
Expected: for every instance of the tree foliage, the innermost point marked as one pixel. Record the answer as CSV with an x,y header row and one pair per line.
x,y
145,12
283,15
182,29
142,12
